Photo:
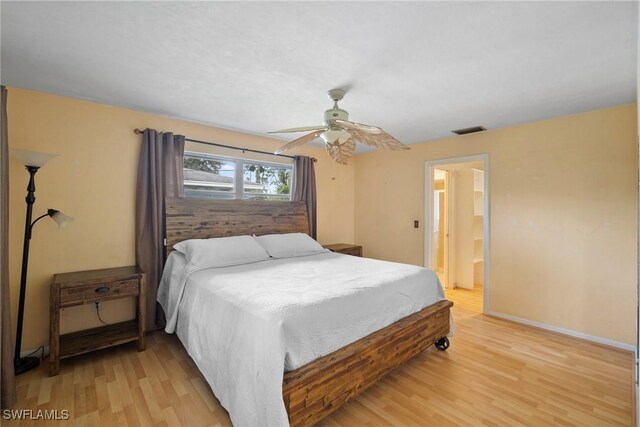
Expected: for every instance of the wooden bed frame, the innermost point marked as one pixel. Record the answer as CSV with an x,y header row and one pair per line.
x,y
319,388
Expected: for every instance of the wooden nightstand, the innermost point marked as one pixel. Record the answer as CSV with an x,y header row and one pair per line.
x,y
88,287
345,248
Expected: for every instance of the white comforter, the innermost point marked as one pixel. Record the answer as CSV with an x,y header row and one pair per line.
x,y
245,325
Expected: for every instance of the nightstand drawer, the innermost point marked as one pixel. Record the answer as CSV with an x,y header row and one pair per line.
x,y
345,248
354,251
100,291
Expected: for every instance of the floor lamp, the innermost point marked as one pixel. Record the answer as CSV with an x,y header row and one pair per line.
x,y
33,161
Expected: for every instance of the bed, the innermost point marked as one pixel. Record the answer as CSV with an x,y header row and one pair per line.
x,y
288,341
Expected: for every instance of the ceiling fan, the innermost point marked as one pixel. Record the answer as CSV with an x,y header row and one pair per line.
x,y
340,135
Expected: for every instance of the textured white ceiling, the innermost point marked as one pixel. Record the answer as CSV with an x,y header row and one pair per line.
x,y
418,69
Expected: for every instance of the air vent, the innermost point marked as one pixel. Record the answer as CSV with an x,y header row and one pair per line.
x,y
469,130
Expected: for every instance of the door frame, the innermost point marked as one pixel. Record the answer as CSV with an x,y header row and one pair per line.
x,y
429,186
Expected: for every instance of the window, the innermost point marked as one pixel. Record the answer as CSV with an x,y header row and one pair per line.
x,y
208,177
265,181
214,177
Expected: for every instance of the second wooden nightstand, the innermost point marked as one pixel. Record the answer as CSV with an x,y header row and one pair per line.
x,y
88,287
345,248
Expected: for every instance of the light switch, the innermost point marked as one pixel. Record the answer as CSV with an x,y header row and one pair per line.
x,y
416,224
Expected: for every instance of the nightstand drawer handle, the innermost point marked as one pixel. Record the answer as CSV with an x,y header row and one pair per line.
x,y
102,289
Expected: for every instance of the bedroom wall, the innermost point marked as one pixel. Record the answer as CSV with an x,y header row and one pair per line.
x,y
94,180
563,216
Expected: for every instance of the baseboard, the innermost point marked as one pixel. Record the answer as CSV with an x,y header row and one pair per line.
x,y
575,334
35,352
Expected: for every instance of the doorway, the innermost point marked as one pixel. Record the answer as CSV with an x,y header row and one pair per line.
x,y
440,231
457,231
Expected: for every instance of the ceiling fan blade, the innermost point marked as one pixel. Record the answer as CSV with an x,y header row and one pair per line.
x,y
301,129
341,153
372,135
359,126
300,141
382,140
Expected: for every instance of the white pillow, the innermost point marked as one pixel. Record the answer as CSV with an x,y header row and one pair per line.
x,y
289,245
221,251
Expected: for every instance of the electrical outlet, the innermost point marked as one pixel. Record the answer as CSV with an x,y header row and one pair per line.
x,y
96,306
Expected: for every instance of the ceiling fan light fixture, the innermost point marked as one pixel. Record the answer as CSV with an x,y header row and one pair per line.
x,y
334,137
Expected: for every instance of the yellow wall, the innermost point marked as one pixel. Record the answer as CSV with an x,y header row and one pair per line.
x,y
94,180
562,216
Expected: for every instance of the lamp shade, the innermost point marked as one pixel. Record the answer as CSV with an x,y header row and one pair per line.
x,y
61,219
32,158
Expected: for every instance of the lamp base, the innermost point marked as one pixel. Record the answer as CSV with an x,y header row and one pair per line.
x,y
24,364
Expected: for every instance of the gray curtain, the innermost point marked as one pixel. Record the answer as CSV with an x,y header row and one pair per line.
x,y
160,175
8,378
305,189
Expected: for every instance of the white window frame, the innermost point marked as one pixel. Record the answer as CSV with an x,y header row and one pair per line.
x,y
238,177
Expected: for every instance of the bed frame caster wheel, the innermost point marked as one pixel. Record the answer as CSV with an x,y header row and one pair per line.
x,y
442,344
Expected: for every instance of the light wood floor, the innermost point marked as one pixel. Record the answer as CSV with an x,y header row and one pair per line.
x,y
496,373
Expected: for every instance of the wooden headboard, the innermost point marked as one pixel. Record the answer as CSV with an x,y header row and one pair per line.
x,y
204,219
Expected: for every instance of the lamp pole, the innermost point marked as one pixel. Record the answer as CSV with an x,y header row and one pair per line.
x,y
24,364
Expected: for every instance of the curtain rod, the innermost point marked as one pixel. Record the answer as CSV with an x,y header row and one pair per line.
x,y
138,132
